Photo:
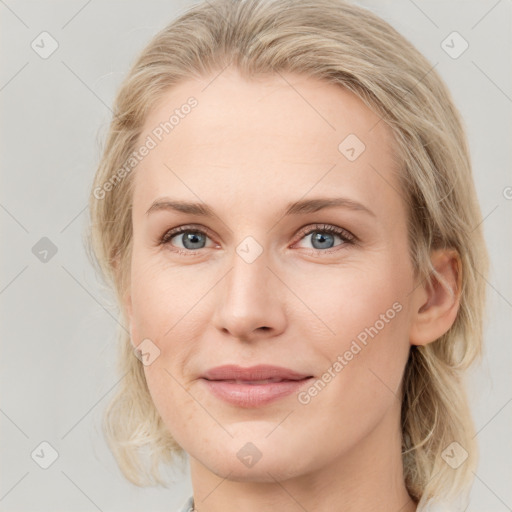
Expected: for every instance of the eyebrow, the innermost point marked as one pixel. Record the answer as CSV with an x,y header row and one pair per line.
x,y
296,208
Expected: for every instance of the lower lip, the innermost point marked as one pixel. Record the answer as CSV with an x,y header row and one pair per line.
x,y
253,395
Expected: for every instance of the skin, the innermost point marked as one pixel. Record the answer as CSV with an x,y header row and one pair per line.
x,y
247,150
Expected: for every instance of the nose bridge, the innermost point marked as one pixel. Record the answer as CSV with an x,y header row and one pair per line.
x,y
248,279
249,297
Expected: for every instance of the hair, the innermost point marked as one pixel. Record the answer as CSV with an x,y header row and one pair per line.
x,y
340,43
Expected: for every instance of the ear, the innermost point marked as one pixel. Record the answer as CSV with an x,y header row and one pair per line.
x,y
436,301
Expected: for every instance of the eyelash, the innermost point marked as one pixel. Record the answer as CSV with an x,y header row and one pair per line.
x,y
346,237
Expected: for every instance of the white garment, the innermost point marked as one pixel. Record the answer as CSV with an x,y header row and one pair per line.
x,y
188,506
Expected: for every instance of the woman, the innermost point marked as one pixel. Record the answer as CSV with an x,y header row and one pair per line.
x,y
286,212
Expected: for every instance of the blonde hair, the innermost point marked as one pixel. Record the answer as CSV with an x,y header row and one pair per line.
x,y
344,44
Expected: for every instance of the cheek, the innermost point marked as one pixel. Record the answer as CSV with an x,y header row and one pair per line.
x,y
165,308
361,333
171,399
343,301
164,295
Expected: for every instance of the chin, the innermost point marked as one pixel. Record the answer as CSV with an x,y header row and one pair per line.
x,y
251,462
261,472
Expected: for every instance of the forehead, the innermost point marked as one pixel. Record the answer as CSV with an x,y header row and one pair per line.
x,y
273,137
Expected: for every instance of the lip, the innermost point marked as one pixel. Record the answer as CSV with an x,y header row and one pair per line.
x,y
254,386
259,372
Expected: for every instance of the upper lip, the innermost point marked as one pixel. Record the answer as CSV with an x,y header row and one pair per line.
x,y
253,373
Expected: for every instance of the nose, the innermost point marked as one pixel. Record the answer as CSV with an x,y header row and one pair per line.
x,y
250,300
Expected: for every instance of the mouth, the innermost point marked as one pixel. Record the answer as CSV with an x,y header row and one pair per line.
x,y
256,382
253,387
257,373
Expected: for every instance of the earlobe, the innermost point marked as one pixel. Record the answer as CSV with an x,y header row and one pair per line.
x,y
437,300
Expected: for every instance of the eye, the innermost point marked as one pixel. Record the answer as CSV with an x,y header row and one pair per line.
x,y
188,238
323,236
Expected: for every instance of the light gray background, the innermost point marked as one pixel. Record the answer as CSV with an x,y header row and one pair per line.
x,y
57,329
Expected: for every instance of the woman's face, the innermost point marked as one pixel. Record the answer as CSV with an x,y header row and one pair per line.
x,y
324,291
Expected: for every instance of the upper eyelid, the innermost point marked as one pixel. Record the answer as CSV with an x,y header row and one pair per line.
x,y
183,229
308,229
